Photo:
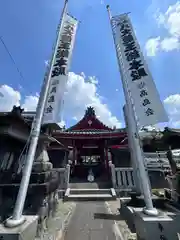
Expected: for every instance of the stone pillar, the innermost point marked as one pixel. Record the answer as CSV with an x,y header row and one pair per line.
x,y
106,156
66,157
50,204
74,155
113,174
109,156
105,150
41,162
43,214
67,175
102,152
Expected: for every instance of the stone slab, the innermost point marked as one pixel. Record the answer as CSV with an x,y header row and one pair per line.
x,y
159,227
26,231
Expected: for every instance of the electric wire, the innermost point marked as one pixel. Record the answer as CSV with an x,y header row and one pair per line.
x,y
25,149
12,59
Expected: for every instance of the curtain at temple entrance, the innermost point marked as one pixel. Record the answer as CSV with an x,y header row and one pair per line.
x,y
89,156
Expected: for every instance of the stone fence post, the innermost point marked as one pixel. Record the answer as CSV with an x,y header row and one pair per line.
x,y
113,174
67,175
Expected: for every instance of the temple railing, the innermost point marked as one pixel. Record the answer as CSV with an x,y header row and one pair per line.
x,y
122,178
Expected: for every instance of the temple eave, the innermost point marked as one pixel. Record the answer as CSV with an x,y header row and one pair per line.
x,y
92,136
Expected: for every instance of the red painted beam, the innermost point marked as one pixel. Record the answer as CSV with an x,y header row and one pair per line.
x,y
119,146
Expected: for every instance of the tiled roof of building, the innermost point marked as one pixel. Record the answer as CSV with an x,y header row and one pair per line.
x,y
89,122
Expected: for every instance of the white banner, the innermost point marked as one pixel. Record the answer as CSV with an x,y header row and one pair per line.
x,y
60,70
148,107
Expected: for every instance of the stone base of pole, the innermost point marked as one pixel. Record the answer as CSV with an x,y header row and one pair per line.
x,y
162,226
151,212
25,231
11,223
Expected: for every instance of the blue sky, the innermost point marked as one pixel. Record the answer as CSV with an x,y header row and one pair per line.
x,y
28,29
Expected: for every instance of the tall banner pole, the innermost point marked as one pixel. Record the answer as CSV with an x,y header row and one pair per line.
x,y
61,65
132,151
17,217
149,209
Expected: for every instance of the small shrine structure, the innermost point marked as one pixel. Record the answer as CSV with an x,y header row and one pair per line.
x,y
90,142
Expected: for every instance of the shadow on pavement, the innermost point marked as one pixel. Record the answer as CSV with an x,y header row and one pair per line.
x,y
107,216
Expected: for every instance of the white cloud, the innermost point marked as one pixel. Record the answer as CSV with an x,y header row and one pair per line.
x,y
172,104
170,21
8,98
92,80
82,93
30,103
79,94
152,46
83,74
169,44
75,118
160,18
62,124
46,62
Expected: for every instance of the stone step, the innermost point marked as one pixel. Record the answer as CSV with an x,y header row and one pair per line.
x,y
89,197
90,191
89,194
88,185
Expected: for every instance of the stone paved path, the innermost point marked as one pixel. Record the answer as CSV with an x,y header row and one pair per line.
x,y
90,222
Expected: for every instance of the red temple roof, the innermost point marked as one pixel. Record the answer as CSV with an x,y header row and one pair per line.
x,y
89,123
90,127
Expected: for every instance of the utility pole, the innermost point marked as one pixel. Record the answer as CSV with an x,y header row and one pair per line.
x,y
131,118
17,217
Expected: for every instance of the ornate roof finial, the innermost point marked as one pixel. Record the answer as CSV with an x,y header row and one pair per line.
x,y
90,112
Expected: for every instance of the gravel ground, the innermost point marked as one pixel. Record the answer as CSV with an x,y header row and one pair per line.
x,y
56,224
121,223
